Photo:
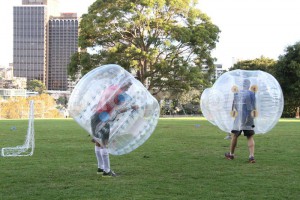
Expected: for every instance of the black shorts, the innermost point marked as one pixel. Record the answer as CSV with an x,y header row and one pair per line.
x,y
247,133
100,129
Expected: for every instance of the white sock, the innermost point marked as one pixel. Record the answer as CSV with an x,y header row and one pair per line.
x,y
99,157
105,157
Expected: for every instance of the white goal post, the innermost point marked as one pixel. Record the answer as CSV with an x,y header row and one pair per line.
x,y
28,147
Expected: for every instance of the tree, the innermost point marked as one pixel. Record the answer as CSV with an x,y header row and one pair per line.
x,y
18,107
287,72
45,106
165,43
262,63
62,100
36,86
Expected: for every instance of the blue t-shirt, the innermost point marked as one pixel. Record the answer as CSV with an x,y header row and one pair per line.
x,y
244,103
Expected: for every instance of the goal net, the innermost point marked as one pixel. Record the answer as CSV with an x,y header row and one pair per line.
x,y
28,147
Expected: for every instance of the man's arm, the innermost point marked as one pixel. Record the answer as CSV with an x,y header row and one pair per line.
x,y
133,107
254,112
234,112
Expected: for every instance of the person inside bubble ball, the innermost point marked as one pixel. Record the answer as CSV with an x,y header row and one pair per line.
x,y
114,101
243,109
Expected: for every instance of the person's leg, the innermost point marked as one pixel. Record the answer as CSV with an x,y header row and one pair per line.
x,y
234,137
251,146
105,157
107,172
95,124
99,158
233,143
105,153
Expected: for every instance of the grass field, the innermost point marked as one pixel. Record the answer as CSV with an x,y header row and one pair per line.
x,y
183,159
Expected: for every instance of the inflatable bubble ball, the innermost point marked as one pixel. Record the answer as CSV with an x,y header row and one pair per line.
x,y
114,108
243,100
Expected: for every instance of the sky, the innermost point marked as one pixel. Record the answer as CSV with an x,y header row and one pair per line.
x,y
249,28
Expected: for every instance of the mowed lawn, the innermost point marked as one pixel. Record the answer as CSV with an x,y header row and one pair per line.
x,y
183,159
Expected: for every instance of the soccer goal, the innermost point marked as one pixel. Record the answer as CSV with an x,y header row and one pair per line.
x,y
28,147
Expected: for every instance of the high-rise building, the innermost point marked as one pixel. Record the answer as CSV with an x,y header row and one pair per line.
x,y
52,5
62,43
43,42
29,38
219,70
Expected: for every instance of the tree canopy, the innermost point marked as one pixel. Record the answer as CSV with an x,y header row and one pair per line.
x,y
164,42
287,72
36,86
18,107
262,63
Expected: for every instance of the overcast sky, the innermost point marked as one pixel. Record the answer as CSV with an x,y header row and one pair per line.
x,y
253,28
250,28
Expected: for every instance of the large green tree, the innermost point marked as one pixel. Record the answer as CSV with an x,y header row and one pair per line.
x,y
262,63
164,42
287,72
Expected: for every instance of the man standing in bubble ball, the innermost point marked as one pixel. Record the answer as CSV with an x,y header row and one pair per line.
x,y
112,102
243,109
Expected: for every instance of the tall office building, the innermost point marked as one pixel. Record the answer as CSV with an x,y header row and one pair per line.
x,y
29,37
36,44
63,42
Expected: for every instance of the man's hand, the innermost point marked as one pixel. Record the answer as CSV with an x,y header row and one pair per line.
x,y
133,107
254,113
234,113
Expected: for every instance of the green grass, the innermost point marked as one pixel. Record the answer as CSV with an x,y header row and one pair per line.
x,y
181,160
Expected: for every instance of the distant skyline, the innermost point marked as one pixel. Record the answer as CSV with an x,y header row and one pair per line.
x,y
6,23
249,28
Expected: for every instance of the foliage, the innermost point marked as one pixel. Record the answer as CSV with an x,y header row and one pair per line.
x,y
189,102
14,108
18,107
181,104
73,66
179,161
36,86
191,96
62,100
287,72
165,43
262,63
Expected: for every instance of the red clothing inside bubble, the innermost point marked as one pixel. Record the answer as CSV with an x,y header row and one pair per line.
x,y
109,99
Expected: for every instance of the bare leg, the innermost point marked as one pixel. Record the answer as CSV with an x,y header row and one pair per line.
x,y
251,146
233,143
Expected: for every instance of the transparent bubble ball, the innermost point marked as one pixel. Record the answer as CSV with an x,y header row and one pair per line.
x,y
243,100
131,115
